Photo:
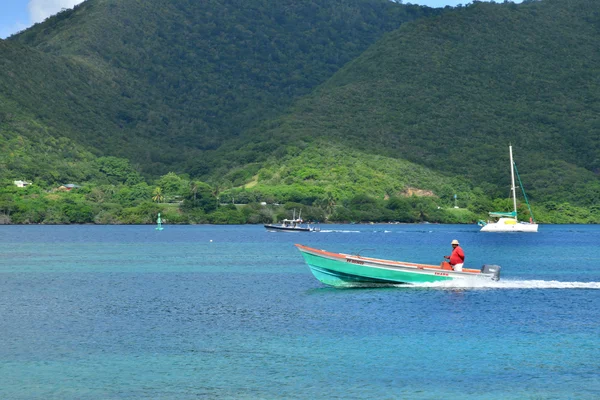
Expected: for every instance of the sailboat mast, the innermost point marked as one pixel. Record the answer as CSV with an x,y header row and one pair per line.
x,y
512,176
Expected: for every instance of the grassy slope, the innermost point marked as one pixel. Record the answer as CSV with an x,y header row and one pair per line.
x,y
323,168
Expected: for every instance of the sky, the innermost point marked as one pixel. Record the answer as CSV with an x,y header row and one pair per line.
x,y
16,15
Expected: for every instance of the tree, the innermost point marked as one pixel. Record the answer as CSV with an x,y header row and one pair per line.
x,y
194,189
216,190
118,170
173,185
7,203
157,195
201,197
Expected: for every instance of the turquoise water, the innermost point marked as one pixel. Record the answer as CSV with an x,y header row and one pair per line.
x,y
112,312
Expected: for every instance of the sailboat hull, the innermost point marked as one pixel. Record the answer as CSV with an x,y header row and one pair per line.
x,y
509,225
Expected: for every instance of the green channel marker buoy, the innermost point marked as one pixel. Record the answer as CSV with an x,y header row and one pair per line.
x,y
159,223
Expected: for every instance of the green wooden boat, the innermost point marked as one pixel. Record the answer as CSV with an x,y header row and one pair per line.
x,y
343,270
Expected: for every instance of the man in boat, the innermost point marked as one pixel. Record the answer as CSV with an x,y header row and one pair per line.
x,y
457,258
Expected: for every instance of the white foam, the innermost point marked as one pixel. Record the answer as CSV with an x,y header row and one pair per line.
x,y
335,230
510,284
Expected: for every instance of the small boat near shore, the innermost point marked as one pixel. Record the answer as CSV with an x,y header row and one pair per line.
x,y
291,225
344,270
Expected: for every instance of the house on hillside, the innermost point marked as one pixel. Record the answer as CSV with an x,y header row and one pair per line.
x,y
22,183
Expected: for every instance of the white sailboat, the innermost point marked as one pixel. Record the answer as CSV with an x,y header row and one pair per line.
x,y
508,221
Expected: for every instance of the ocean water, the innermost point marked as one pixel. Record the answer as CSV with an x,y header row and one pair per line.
x,y
232,312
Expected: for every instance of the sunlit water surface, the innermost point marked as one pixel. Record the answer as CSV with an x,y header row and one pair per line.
x,y
232,312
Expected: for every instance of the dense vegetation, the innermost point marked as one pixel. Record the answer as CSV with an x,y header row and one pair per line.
x,y
160,82
378,189
309,105
451,92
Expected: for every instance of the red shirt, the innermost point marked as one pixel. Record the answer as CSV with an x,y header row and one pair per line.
x,y
457,256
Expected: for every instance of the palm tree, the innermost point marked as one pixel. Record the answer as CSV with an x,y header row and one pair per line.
x,y
194,189
216,190
330,205
158,196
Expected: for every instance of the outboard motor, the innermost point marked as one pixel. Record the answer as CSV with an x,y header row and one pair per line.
x,y
492,269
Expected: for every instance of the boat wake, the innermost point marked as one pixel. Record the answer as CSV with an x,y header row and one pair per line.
x,y
509,284
337,230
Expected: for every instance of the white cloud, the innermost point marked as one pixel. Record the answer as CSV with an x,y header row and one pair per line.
x,y
39,10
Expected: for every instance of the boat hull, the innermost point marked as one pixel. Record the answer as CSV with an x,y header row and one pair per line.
x,y
509,225
342,270
279,228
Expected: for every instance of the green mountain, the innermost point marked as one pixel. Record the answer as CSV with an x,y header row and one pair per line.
x,y
160,82
313,102
451,92
42,103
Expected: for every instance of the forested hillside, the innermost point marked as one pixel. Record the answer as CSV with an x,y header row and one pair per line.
x,y
44,100
451,92
159,82
360,110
